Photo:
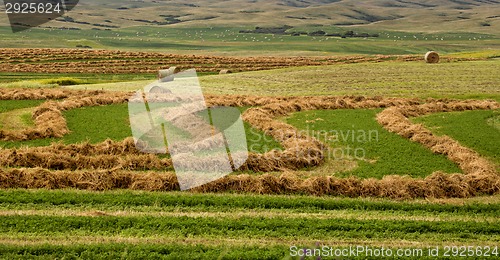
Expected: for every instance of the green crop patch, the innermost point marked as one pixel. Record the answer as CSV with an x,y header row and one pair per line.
x,y
355,135
69,78
9,105
250,227
93,124
68,223
477,130
96,124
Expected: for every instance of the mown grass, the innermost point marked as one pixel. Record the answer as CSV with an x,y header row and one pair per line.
x,y
105,236
41,83
250,227
477,130
96,124
399,79
403,79
152,250
27,84
355,135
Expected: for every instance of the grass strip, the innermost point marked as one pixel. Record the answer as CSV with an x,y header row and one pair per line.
x,y
43,210
225,202
249,227
9,105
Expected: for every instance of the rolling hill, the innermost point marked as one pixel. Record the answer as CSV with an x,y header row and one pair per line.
x,y
480,16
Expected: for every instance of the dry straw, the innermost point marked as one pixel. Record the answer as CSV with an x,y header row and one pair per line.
x,y
437,185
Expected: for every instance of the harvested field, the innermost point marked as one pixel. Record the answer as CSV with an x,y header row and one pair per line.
x,y
103,61
35,222
74,184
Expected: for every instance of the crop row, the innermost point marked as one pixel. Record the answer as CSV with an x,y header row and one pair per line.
x,y
124,200
63,223
48,118
249,227
101,61
144,251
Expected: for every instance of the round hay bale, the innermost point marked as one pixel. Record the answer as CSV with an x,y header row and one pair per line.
x,y
432,57
225,72
168,72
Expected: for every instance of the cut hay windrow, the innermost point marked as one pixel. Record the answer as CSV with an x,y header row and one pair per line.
x,y
98,180
108,147
285,105
40,93
25,157
437,185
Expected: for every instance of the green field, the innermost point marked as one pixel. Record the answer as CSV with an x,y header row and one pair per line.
x,y
223,40
16,114
478,130
19,79
96,124
354,136
237,226
359,146
171,225
9,105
